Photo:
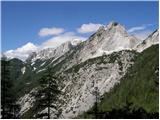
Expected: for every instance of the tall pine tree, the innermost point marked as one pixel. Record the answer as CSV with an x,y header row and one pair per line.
x,y
47,93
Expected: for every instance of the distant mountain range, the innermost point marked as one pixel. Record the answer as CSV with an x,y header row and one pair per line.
x,y
110,59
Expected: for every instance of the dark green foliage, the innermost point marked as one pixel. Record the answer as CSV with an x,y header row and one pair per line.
x,y
22,87
128,113
137,96
122,113
20,81
8,99
15,68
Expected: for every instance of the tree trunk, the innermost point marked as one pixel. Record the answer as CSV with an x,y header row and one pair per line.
x,y
49,102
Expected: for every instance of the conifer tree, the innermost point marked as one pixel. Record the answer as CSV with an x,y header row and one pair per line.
x,y
47,93
96,112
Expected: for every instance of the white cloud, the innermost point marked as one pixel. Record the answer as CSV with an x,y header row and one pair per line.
x,y
22,52
138,28
133,29
88,28
50,31
142,34
58,40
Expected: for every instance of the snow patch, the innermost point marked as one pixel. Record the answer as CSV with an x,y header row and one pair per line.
x,y
34,68
32,63
101,52
23,70
42,64
41,70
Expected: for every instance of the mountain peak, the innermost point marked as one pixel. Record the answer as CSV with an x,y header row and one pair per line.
x,y
113,23
115,26
108,39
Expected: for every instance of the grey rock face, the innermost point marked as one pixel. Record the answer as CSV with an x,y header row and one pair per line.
x,y
51,52
106,40
104,71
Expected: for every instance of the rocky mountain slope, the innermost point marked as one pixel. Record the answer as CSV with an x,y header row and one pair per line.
x,y
51,52
102,72
137,94
101,61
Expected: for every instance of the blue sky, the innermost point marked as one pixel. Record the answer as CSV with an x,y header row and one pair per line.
x,y
22,21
